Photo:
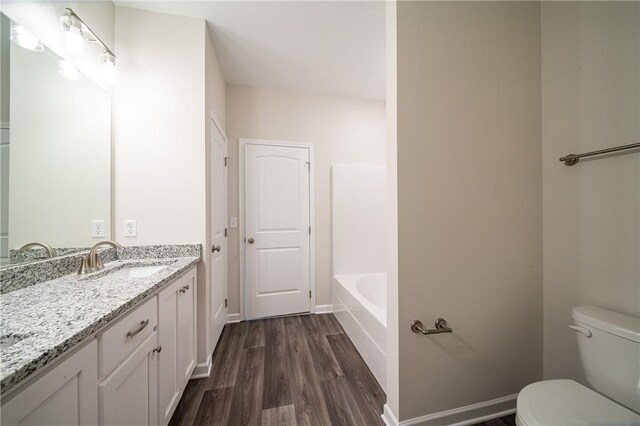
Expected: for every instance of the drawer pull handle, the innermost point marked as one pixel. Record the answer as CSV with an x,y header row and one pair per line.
x,y
158,349
143,324
184,289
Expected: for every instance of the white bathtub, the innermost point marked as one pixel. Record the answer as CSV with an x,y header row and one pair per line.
x,y
361,308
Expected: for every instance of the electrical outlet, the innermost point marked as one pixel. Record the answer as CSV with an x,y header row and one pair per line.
x,y
97,228
130,228
233,222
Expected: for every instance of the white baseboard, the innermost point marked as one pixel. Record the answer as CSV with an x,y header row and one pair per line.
x,y
468,415
320,309
202,370
388,417
324,309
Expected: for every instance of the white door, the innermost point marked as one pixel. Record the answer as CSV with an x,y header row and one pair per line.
x,y
277,230
218,251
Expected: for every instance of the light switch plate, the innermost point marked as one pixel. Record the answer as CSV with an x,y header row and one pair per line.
x,y
233,222
130,228
97,229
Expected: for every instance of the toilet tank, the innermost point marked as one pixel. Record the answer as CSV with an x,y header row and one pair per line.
x,y
609,346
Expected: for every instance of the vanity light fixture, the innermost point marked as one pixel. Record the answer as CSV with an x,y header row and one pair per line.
x,y
68,70
76,32
23,38
109,70
73,33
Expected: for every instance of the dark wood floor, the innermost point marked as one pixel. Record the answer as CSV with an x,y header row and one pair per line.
x,y
299,370
503,421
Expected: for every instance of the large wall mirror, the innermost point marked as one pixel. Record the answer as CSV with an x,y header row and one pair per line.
x,y
55,166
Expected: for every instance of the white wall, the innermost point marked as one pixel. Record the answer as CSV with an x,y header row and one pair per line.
x,y
590,101
159,133
358,201
469,201
215,86
161,114
60,168
344,130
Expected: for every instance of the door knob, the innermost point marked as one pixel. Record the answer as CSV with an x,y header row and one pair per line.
x,y
215,248
250,240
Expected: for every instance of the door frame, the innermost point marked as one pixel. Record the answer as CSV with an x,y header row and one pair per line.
x,y
242,142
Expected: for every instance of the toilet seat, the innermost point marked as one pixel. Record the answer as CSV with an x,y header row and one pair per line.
x,y
565,402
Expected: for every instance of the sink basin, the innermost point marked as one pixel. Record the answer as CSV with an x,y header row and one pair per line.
x,y
134,272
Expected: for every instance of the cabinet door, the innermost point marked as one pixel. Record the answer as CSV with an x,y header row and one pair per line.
x,y
187,329
67,395
169,382
177,337
129,395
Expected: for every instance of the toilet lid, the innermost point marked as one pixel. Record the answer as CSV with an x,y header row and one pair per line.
x,y
565,402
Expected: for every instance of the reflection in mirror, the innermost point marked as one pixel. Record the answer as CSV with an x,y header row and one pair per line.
x,y
55,164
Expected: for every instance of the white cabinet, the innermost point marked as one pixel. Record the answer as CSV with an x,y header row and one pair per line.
x,y
168,385
133,375
116,343
129,394
176,334
66,395
187,324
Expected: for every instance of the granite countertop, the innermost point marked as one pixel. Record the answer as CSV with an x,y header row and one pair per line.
x,y
41,322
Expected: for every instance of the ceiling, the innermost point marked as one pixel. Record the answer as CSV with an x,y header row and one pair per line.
x,y
329,47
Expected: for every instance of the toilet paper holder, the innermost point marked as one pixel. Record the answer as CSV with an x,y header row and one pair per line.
x,y
441,327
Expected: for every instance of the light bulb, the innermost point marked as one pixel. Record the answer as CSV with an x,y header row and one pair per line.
x,y
110,72
23,38
68,70
74,40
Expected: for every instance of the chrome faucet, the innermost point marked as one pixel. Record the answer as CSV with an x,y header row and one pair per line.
x,y
47,247
92,262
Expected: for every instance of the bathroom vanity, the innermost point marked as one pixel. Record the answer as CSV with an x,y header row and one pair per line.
x,y
116,346
78,344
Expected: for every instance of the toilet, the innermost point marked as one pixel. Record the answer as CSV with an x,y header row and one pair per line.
x,y
609,346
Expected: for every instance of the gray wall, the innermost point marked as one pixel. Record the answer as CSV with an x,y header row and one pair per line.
x,y
590,100
469,201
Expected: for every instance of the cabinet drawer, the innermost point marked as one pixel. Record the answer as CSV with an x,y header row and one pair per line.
x,y
125,336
